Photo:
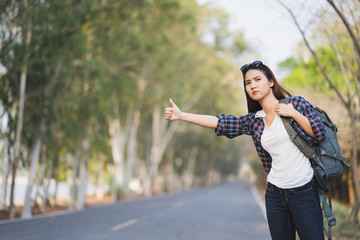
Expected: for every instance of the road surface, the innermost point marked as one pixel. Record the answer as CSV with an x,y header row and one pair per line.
x,y
221,212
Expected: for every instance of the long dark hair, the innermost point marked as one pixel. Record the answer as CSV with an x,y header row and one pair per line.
x,y
278,90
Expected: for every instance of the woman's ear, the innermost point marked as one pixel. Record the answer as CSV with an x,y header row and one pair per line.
x,y
271,83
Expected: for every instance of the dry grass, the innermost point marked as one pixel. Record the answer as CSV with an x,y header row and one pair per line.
x,y
343,230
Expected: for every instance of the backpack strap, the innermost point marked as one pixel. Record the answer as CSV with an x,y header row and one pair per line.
x,y
301,143
325,118
311,153
327,212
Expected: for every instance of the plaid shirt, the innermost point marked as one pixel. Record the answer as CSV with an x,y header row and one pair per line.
x,y
251,124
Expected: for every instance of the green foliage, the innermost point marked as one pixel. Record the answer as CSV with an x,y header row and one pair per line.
x,y
92,61
307,75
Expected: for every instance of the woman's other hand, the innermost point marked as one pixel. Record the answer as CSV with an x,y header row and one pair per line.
x,y
172,113
286,110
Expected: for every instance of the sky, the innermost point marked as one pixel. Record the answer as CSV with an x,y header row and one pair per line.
x,y
265,24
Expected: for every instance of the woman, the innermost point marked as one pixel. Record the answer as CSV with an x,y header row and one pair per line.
x,y
291,198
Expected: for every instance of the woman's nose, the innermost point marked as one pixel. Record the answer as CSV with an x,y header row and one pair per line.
x,y
253,84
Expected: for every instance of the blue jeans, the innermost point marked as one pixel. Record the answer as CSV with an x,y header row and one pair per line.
x,y
297,209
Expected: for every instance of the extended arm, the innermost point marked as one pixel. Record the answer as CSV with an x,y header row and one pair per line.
x,y
174,113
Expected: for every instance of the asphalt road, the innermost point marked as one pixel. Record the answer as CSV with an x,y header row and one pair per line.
x,y
222,212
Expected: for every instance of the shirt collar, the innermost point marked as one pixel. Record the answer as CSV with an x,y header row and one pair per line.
x,y
260,114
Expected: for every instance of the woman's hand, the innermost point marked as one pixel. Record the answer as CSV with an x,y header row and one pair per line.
x,y
286,110
172,113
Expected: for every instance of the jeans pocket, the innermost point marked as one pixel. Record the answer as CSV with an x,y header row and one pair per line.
x,y
269,189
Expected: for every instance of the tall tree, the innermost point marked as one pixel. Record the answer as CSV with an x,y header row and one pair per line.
x,y
345,64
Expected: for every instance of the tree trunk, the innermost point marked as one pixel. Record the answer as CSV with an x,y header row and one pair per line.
x,y
5,174
353,217
74,178
34,158
155,150
41,190
56,190
18,139
19,125
84,174
189,172
117,147
131,152
141,171
355,209
161,136
48,182
55,169
172,180
100,179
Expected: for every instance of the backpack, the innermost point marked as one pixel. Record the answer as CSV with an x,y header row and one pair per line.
x,y
327,162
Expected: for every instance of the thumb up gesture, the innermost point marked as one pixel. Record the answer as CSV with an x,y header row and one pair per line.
x,y
173,112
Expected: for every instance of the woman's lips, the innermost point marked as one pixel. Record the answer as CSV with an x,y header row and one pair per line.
x,y
254,92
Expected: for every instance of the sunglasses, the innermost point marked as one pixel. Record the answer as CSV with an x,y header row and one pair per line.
x,y
246,67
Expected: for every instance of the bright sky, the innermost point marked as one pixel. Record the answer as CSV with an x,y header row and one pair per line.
x,y
265,24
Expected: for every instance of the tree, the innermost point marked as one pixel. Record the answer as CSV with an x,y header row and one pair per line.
x,y
98,74
346,65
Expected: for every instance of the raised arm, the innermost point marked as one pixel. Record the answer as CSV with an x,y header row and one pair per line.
x,y
174,113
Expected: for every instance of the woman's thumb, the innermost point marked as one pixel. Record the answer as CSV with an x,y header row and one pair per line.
x,y
172,102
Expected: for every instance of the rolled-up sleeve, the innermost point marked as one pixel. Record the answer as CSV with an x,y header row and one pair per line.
x,y
316,124
231,126
308,110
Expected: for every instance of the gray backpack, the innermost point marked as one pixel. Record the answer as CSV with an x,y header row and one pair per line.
x,y
326,159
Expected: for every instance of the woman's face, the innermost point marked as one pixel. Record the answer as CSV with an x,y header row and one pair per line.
x,y
257,85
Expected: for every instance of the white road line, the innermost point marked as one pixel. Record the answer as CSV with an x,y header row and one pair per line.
x,y
258,200
124,225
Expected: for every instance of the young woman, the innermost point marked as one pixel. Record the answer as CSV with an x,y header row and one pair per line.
x,y
291,198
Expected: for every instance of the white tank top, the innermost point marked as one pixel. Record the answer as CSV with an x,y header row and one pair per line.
x,y
290,168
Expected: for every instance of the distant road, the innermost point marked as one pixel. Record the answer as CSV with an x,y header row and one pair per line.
x,y
222,212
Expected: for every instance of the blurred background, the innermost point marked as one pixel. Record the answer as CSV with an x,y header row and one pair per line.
x,y
84,84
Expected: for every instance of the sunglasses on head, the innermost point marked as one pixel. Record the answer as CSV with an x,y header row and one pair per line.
x,y
246,67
